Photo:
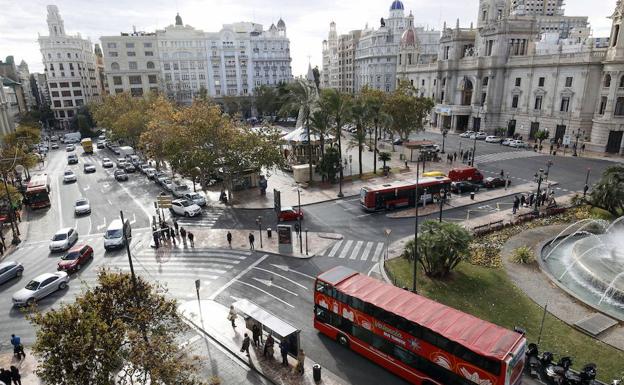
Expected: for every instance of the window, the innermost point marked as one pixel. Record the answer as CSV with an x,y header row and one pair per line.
x,y
446,52
77,93
619,107
79,102
55,94
136,91
483,98
485,81
175,66
132,65
119,90
64,85
68,103
540,82
65,94
134,79
568,82
131,53
565,104
117,80
75,84
61,67
147,45
152,79
514,101
489,45
607,81
113,54
518,82
149,53
57,103
603,105
538,103
129,45
111,45
115,66
167,66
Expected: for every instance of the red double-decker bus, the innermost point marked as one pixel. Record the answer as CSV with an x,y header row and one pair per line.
x,y
418,339
399,194
37,193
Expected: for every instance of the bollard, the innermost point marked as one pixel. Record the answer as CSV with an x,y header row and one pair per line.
x,y
472,195
268,232
316,372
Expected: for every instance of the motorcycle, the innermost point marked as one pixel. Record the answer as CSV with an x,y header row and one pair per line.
x,y
556,374
534,364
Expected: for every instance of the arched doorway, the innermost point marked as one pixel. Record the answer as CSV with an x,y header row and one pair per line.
x,y
467,90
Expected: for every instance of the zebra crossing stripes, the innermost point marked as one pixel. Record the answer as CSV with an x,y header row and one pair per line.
x,y
334,249
355,250
378,251
208,218
367,249
345,250
501,156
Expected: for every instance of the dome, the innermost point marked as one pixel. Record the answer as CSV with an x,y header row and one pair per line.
x,y
396,5
281,24
408,38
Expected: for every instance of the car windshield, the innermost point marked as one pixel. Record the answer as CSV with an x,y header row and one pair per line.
x,y
59,237
68,172
32,285
88,165
82,202
113,234
194,196
181,187
71,256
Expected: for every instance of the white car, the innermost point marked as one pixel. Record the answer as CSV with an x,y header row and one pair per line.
x,y
63,239
70,148
144,167
107,163
478,136
507,141
41,287
518,144
54,146
82,206
150,172
196,198
466,134
184,207
493,139
69,176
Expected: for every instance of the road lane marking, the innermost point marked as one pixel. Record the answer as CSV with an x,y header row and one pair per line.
x,y
378,251
58,203
281,276
363,215
85,188
239,276
269,283
265,292
334,249
367,249
287,268
356,249
345,249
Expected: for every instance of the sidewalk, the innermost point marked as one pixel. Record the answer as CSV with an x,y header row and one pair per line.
x,y
211,318
216,238
26,366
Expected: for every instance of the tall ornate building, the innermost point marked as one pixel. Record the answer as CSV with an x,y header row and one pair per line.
x,y
527,67
70,69
24,79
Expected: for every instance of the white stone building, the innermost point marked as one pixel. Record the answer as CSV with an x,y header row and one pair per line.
x,y
70,69
8,108
24,78
526,69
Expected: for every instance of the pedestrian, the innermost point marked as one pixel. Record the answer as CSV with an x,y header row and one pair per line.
x,y
516,204
502,174
256,334
232,316
531,199
251,241
461,154
284,351
183,234
583,147
5,376
454,156
522,200
551,149
18,348
155,235
175,225
543,198
246,343
173,235
268,346
300,362
191,238
229,239
2,247
166,234
16,376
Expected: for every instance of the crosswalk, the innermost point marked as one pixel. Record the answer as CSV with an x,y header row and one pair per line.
x,y
501,156
208,218
355,250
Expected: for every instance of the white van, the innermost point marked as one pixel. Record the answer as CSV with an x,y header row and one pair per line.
x,y
114,235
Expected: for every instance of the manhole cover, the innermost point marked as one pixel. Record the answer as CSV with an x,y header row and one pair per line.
x,y
595,324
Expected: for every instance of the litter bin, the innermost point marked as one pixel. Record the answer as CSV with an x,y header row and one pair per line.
x,y
316,372
268,232
472,195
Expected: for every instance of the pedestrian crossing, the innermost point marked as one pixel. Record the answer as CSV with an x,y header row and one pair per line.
x,y
501,156
355,250
208,218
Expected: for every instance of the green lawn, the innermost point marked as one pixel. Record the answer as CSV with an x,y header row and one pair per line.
x,y
487,293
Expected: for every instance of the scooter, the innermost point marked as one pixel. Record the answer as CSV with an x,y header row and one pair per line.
x,y
556,374
534,364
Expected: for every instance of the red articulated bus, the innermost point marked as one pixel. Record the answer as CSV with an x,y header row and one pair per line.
x,y
37,193
418,339
399,194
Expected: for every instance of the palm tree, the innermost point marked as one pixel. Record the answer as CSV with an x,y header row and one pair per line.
x,y
320,125
384,157
359,115
540,136
338,106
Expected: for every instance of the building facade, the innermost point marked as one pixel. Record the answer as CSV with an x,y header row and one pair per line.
x,y
527,68
70,67
8,107
183,61
13,78
39,86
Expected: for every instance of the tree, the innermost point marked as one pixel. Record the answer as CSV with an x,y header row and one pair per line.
x,y
329,164
375,101
266,100
320,125
608,193
441,246
338,106
384,157
126,116
407,110
117,332
160,137
541,135
359,116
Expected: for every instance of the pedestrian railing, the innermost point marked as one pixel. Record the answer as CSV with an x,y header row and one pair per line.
x,y
488,227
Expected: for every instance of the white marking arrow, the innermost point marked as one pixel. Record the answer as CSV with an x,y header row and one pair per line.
x,y
86,188
286,268
270,283
133,221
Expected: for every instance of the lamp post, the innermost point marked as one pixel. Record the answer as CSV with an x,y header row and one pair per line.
x,y
387,233
306,231
340,194
539,177
474,148
416,201
197,284
578,134
548,165
586,187
444,133
259,222
299,216
442,200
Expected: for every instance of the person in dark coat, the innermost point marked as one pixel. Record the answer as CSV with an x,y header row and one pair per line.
x,y
173,235
256,333
183,234
5,376
191,238
516,204
229,239
522,200
246,343
251,241
175,225
284,351
16,376
268,346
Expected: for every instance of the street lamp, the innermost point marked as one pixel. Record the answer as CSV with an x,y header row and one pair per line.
x,y
340,194
539,177
442,200
306,231
416,201
259,222
444,133
586,188
387,233
197,284
578,134
474,148
14,228
548,165
299,215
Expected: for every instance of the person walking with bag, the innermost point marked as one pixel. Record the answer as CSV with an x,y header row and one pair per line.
x,y
232,316
246,343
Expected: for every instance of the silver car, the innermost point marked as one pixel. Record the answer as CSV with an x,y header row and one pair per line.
x,y
82,206
40,287
63,239
196,198
9,270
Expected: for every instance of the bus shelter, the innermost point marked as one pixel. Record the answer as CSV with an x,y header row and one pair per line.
x,y
254,314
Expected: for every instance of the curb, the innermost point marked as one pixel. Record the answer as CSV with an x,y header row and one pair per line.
x,y
302,205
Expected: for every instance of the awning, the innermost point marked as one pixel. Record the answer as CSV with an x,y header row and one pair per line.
x,y
268,320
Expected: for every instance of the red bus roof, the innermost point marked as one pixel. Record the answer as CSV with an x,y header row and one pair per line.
x,y
423,181
480,336
37,182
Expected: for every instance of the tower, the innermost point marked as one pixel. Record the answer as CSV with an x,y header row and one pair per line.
x,y
178,20
55,22
616,41
281,27
491,11
396,18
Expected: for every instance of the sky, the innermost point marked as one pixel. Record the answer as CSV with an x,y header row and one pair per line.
x,y
307,22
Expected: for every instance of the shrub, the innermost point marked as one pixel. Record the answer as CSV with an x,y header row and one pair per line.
x,y
523,255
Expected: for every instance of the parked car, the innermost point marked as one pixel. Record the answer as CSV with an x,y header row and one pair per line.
x,y
54,146
465,173
120,175
158,175
101,144
70,148
143,167
466,134
289,214
150,172
75,258
40,287
493,182
507,141
464,187
54,138
69,176
129,168
121,163
10,270
107,163
184,207
518,144
398,142
478,136
72,159
493,139
115,150
179,188
82,206
430,147
63,239
89,168
196,198
162,180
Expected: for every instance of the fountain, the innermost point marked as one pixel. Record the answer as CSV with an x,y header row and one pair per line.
x,y
589,264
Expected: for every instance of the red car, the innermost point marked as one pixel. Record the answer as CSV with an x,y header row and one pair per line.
x,y
75,258
290,214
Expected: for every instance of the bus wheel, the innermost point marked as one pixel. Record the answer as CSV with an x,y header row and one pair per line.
x,y
342,340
